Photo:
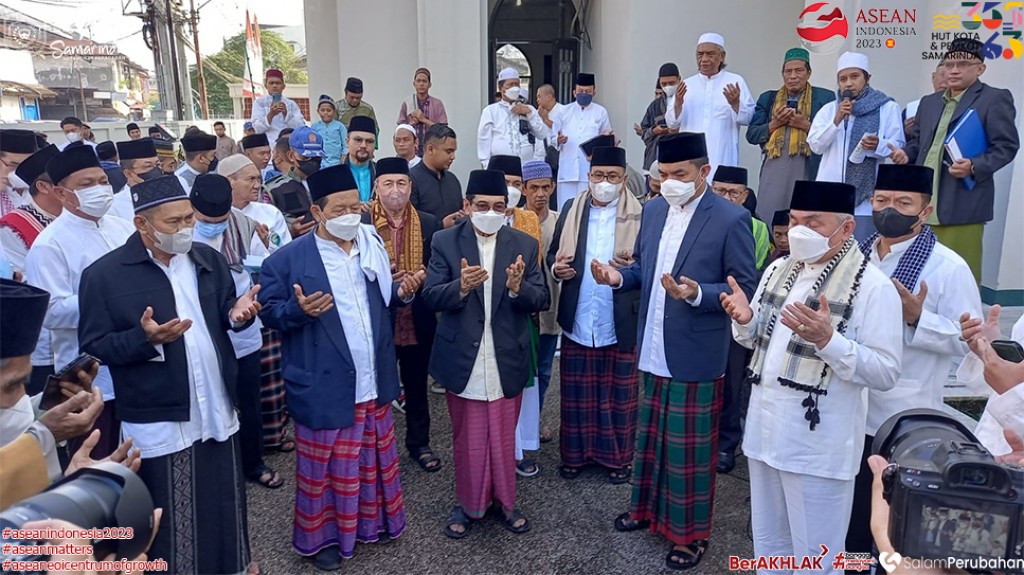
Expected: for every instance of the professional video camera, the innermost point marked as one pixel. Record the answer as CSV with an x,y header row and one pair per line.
x,y
947,495
104,496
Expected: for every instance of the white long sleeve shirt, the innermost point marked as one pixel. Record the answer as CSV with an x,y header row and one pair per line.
x,y
352,304
594,324
706,110
577,124
827,139
485,380
868,356
291,119
498,134
55,263
1002,410
211,414
929,349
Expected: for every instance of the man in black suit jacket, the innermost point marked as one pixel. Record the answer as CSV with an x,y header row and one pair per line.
x,y
407,233
960,211
485,280
157,311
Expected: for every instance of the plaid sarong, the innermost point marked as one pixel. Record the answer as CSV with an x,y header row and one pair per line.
x,y
483,445
347,483
912,262
599,403
676,457
272,401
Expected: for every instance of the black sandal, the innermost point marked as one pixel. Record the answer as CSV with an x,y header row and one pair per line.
x,y
688,557
620,476
625,524
569,472
274,481
510,522
458,517
427,460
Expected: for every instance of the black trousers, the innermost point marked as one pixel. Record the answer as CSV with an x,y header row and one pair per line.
x,y
412,364
250,418
735,399
858,536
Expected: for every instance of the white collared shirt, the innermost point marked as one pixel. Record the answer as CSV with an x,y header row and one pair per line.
x,y
867,356
187,175
931,348
594,324
55,263
291,119
123,207
706,110
270,216
485,380
210,414
578,124
652,357
498,134
351,303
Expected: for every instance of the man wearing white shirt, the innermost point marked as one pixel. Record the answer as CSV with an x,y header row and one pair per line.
x,y
245,189
200,158
510,127
158,310
571,126
273,112
139,163
825,325
80,235
74,130
712,101
936,286
855,134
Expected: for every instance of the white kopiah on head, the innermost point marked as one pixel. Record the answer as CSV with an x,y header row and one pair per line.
x,y
508,74
405,127
712,38
853,60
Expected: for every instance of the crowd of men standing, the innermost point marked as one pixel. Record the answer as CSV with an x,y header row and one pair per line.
x,y
293,276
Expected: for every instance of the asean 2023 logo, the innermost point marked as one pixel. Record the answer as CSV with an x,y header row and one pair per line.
x,y
822,28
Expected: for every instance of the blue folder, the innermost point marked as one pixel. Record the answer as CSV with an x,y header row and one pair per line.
x,y
967,140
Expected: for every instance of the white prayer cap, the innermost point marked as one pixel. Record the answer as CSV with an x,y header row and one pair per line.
x,y
655,171
405,127
853,60
230,165
712,38
508,74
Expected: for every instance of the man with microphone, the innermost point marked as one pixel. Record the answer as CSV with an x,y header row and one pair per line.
x,y
856,133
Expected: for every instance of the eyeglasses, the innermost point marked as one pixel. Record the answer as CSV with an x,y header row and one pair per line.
x,y
611,178
731,194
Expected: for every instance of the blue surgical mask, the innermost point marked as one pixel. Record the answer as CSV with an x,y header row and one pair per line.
x,y
211,230
584,99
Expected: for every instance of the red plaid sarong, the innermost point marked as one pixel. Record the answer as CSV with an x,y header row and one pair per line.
x,y
676,456
347,483
599,403
484,446
272,402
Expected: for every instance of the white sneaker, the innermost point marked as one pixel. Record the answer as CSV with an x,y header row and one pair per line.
x,y
436,388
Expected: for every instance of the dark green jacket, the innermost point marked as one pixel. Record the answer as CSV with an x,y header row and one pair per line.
x,y
757,131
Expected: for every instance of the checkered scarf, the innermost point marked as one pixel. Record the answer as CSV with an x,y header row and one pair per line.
x,y
908,269
867,119
802,369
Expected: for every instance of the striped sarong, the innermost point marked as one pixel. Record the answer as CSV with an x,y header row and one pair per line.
x,y
676,456
347,484
204,528
272,402
484,442
599,402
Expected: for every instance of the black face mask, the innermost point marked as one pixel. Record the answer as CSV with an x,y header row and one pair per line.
x,y
150,175
310,166
212,169
892,224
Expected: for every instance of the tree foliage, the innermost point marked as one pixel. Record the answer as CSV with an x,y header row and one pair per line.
x,y
228,67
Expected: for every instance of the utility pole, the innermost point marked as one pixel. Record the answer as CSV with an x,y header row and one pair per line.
x,y
179,100
194,20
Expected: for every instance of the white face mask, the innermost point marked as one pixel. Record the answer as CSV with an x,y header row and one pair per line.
x,y
344,227
514,195
677,193
74,137
95,200
807,245
512,93
606,192
180,242
670,90
488,222
16,419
